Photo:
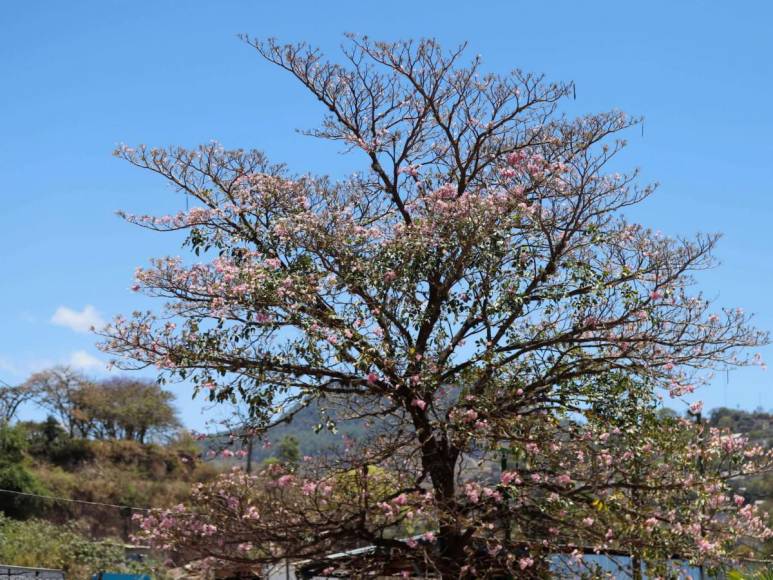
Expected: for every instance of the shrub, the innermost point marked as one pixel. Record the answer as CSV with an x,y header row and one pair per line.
x,y
38,543
15,477
70,452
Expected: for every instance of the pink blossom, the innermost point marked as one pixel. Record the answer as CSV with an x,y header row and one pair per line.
x,y
446,191
419,403
285,480
509,477
412,170
472,493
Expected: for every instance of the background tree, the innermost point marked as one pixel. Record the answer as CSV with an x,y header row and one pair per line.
x,y
114,408
55,389
288,452
13,397
51,429
472,292
123,408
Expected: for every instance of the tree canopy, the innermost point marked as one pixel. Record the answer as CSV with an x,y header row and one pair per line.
x,y
475,292
113,408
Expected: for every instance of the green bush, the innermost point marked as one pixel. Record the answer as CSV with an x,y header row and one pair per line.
x,y
36,543
15,477
70,452
756,575
13,444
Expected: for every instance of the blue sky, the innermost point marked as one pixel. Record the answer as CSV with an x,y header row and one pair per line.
x,y
80,77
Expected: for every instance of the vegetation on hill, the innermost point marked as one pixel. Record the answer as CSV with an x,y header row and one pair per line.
x,y
125,473
107,460
757,425
42,544
116,408
71,483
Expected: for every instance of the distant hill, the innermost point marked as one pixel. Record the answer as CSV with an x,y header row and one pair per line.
x,y
302,427
758,427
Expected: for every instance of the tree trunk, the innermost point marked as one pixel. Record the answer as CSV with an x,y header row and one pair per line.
x,y
636,568
439,459
249,454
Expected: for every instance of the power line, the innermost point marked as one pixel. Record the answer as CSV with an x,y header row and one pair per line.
x,y
81,501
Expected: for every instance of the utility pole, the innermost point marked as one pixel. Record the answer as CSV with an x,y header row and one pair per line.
x,y
249,453
506,503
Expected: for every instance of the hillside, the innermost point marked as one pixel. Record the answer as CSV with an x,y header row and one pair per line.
x,y
115,472
301,427
129,473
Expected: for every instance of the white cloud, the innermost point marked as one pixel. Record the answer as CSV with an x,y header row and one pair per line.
x,y
78,321
19,368
83,361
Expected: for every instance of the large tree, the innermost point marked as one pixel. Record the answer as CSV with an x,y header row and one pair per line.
x,y
124,408
474,293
